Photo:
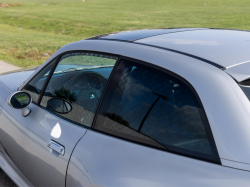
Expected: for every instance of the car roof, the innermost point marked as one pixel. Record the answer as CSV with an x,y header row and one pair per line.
x,y
223,48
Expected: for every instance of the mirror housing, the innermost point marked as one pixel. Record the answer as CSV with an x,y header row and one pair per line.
x,y
20,100
59,105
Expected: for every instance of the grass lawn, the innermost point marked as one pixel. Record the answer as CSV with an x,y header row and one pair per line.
x,y
30,33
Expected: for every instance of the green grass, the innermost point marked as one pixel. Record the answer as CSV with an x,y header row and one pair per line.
x,y
48,25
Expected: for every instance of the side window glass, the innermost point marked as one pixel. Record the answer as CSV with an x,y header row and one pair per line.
x,y
34,87
79,79
154,108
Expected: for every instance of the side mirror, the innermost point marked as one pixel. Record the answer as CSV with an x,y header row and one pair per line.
x,y
20,100
59,105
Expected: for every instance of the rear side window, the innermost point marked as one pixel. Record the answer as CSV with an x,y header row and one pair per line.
x,y
151,107
245,86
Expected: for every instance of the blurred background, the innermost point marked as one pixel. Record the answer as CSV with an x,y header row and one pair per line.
x,y
32,30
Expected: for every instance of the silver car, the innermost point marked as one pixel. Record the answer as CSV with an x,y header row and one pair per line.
x,y
148,108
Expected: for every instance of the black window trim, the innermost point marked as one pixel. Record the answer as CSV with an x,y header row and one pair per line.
x,y
48,79
150,65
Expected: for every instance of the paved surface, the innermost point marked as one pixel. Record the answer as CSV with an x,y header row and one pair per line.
x,y
5,181
4,67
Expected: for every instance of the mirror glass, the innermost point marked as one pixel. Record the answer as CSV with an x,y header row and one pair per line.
x,y
59,105
20,100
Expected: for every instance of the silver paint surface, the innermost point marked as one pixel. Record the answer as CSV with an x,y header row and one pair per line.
x,y
103,161
25,140
9,167
240,72
12,80
223,47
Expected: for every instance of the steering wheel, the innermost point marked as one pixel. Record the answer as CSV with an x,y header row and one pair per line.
x,y
89,98
87,79
91,85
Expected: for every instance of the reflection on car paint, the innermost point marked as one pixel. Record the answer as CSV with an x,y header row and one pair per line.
x,y
56,131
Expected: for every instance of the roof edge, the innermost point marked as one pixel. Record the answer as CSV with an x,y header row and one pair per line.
x,y
172,50
186,54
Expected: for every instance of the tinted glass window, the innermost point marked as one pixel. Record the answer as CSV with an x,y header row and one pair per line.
x,y
154,108
34,87
80,79
245,86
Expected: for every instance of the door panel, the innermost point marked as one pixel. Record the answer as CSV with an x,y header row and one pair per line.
x,y
101,160
79,79
25,139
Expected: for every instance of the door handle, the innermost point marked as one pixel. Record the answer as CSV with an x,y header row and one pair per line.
x,y
56,147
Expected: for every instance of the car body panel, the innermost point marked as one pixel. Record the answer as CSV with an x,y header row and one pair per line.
x,y
101,160
5,93
239,72
10,82
25,140
223,47
14,78
236,165
11,170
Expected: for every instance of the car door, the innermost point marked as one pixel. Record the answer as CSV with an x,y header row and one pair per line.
x,y
151,130
41,144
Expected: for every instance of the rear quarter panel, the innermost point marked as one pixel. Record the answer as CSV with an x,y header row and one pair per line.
x,y
101,160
